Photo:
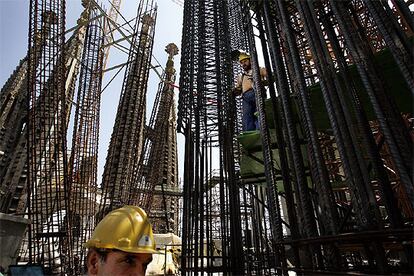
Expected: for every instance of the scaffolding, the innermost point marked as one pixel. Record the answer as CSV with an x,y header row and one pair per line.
x,y
333,187
324,186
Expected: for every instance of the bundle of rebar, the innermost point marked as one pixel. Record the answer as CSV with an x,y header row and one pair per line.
x,y
127,137
160,146
211,231
84,151
334,185
47,183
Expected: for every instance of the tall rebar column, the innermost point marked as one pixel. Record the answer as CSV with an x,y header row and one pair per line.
x,y
148,180
212,236
127,137
278,258
309,46
13,117
384,106
84,150
14,179
46,140
255,221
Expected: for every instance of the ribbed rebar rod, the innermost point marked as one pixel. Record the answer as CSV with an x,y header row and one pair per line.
x,y
369,143
46,142
389,121
84,151
272,193
127,136
406,14
299,86
277,117
395,38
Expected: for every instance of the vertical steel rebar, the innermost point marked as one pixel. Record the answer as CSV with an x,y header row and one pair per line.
x,y
272,193
84,152
46,141
389,121
127,136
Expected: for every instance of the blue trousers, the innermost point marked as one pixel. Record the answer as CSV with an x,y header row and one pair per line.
x,y
249,120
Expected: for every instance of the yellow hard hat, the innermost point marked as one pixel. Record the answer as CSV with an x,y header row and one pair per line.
x,y
243,56
126,229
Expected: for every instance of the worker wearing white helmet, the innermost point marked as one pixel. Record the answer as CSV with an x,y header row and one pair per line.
x,y
121,244
245,87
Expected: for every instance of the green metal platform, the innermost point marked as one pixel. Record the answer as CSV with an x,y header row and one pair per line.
x,y
251,165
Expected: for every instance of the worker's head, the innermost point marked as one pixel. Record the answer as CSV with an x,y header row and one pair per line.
x,y
244,60
121,244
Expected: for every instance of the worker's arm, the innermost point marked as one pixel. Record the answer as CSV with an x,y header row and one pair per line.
x,y
237,90
263,75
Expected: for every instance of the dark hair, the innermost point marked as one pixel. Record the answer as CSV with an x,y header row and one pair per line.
x,y
103,253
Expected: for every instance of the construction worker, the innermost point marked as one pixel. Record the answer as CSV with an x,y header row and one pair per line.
x,y
245,87
121,244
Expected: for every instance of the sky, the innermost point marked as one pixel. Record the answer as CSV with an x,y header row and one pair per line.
x,y
14,24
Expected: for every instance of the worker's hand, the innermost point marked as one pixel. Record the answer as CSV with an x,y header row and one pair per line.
x,y
267,81
237,91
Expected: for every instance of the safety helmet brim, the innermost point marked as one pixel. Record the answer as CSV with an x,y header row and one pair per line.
x,y
92,244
